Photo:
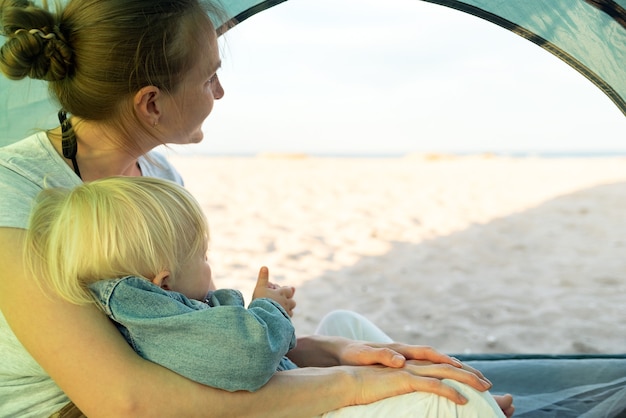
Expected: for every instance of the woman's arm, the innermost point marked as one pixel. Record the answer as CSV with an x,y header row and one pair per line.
x,y
88,358
325,351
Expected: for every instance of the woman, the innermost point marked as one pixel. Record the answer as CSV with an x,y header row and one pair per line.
x,y
134,74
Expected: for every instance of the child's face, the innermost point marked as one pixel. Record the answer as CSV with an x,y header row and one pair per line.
x,y
194,278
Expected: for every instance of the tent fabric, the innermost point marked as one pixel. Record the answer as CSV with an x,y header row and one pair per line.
x,y
25,108
589,35
558,386
240,10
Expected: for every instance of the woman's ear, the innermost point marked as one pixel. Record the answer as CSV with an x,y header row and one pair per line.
x,y
162,279
147,105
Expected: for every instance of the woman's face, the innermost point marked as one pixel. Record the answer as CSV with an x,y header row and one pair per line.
x,y
192,102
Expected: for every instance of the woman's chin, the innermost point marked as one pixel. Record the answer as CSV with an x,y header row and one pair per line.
x,y
196,137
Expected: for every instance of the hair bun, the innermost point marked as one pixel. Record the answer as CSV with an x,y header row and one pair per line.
x,y
36,53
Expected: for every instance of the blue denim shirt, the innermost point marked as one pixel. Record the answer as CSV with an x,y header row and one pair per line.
x,y
219,343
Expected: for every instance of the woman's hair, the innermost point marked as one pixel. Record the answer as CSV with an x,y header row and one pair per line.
x,y
96,54
112,228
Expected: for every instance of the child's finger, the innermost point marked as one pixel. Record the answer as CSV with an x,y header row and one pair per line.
x,y
291,304
264,277
287,291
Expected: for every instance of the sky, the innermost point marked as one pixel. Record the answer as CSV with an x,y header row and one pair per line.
x,y
351,77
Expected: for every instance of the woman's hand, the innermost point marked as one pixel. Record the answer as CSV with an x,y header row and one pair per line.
x,y
398,355
425,362
378,382
360,353
321,351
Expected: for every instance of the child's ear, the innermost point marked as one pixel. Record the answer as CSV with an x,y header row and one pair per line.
x,y
162,279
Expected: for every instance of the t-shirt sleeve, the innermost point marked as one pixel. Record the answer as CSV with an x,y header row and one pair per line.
x,y
227,346
26,168
16,199
156,164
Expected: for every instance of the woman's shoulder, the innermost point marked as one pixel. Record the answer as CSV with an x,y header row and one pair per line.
x,y
35,158
37,144
25,167
156,164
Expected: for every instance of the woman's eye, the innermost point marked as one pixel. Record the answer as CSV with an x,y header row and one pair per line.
x,y
213,78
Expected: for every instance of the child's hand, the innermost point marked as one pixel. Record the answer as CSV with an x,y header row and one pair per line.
x,y
283,295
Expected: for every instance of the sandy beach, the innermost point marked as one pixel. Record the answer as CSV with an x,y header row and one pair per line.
x,y
467,254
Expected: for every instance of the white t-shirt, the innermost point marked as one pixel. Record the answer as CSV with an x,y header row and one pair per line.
x,y
26,166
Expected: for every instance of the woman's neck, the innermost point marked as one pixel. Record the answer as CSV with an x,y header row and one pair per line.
x,y
98,156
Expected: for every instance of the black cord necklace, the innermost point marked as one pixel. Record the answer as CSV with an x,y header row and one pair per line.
x,y
68,142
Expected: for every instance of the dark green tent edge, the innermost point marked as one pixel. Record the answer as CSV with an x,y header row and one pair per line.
x,y
548,46
490,17
522,356
248,13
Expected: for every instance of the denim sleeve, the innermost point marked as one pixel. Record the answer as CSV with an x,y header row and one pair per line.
x,y
226,346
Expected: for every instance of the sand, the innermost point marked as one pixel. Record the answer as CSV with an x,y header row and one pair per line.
x,y
467,254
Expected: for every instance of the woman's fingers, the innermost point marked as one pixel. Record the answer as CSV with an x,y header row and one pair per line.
x,y
446,371
359,354
394,355
436,386
378,382
473,370
423,352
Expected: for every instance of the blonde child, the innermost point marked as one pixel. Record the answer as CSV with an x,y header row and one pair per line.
x,y
137,247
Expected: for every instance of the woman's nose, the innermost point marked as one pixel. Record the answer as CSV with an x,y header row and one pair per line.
x,y
218,90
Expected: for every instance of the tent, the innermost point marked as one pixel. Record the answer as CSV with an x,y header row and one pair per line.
x,y
590,36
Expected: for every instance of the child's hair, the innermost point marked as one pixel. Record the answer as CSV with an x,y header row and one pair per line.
x,y
111,228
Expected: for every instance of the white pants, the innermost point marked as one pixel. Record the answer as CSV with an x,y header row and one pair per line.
x,y
411,405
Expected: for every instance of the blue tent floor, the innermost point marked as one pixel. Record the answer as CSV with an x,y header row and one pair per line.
x,y
513,356
544,385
